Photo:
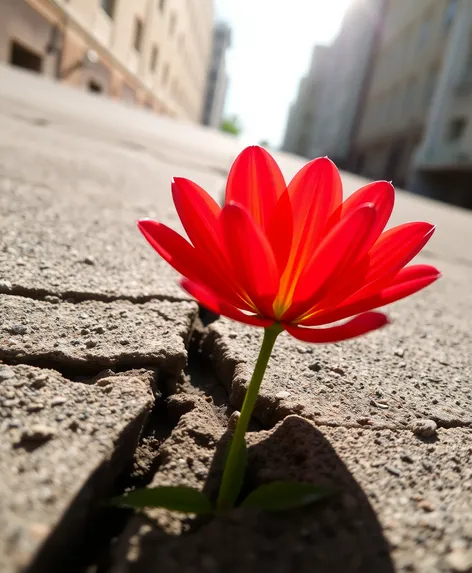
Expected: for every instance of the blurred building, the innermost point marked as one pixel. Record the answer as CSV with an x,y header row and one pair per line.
x,y
151,52
217,80
300,128
341,95
416,127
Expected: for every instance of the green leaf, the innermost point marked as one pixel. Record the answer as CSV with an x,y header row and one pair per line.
x,y
280,495
233,481
176,498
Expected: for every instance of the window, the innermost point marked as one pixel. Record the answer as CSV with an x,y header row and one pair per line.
x,y
172,24
108,6
165,74
162,5
24,58
456,128
154,56
138,34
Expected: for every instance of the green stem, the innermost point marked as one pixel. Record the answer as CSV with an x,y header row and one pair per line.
x,y
227,496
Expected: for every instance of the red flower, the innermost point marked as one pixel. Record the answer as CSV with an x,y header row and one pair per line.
x,y
293,254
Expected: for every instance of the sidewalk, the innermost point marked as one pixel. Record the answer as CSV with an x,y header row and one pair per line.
x,y
110,378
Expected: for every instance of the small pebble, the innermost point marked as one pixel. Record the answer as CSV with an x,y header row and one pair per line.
x,y
35,407
426,505
52,299
399,352
88,261
6,373
283,394
233,420
91,343
393,471
38,433
39,381
425,428
58,401
18,329
460,560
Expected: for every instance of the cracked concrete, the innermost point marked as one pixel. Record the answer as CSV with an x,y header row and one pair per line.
x,y
62,445
387,418
94,335
410,370
404,503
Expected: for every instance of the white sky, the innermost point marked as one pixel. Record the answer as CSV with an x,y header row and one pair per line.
x,y
271,48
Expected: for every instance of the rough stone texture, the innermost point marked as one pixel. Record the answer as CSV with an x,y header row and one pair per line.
x,y
404,505
410,370
90,185
62,446
93,335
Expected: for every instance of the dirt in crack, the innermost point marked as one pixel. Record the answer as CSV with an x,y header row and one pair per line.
x,y
197,379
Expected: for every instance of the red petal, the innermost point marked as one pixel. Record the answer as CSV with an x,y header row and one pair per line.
x,y
382,195
394,249
356,327
280,231
251,256
173,248
216,305
408,281
343,244
198,212
255,182
188,261
315,193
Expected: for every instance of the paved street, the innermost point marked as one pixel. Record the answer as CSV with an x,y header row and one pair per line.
x,y
110,380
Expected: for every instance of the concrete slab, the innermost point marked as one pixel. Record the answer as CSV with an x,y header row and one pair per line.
x,y
62,446
89,196
410,370
404,503
92,335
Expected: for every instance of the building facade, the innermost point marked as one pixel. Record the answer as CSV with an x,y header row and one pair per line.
x,y
416,128
341,96
217,81
153,53
299,135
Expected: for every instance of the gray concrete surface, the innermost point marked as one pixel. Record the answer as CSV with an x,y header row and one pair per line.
x,y
81,291
93,335
404,503
62,444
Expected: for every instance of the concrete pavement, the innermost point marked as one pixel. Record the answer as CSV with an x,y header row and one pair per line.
x,y
89,311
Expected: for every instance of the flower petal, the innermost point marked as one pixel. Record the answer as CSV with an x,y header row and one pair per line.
x,y
342,244
315,193
382,195
408,281
216,305
280,231
251,256
255,182
189,261
173,248
198,212
356,327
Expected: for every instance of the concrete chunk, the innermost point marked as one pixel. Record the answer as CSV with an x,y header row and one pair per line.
x,y
403,503
57,462
95,335
365,381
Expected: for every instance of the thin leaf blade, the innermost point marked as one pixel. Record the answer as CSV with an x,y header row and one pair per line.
x,y
176,498
282,495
